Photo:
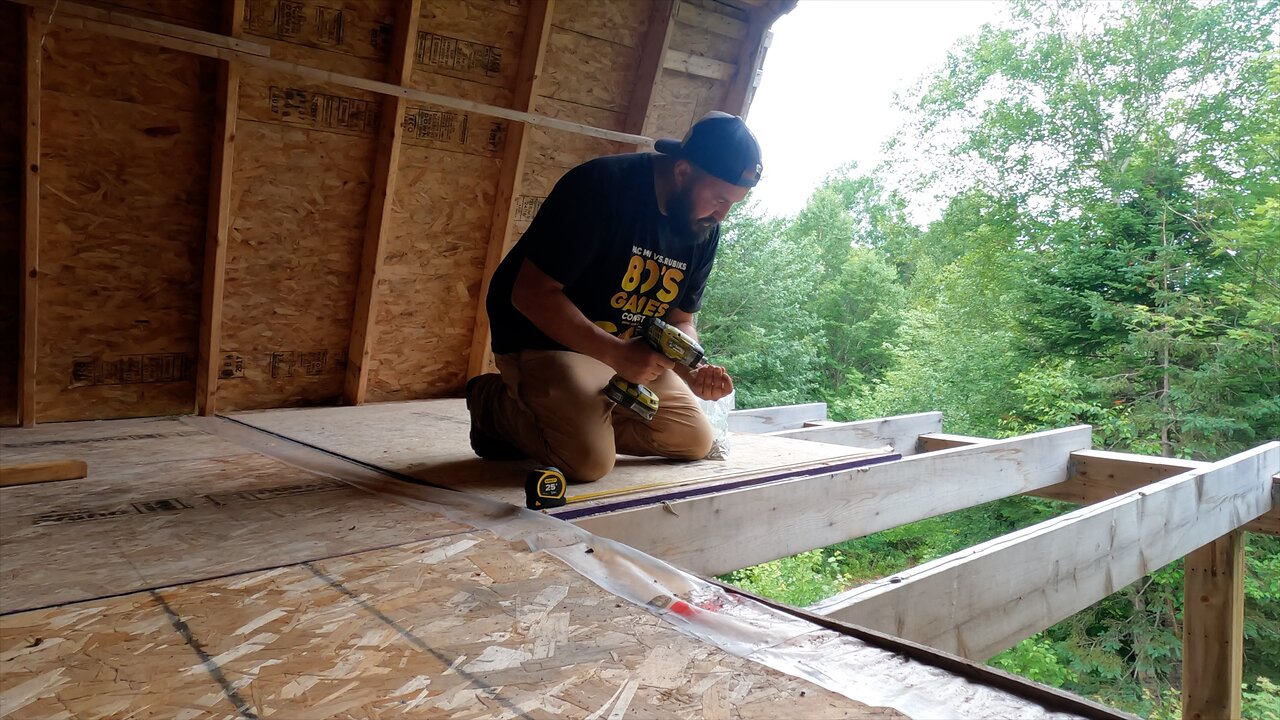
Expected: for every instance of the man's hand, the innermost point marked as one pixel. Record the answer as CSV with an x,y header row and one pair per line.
x,y
636,361
710,382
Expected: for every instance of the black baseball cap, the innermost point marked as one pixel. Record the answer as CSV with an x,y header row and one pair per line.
x,y
721,145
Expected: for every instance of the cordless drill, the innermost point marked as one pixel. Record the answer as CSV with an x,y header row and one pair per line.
x,y
668,340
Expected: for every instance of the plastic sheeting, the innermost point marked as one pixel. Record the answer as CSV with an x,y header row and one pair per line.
x,y
740,626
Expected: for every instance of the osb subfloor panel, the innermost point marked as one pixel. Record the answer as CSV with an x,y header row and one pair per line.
x,y
164,503
464,626
428,439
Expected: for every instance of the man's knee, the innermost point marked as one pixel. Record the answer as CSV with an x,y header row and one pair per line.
x,y
586,464
691,441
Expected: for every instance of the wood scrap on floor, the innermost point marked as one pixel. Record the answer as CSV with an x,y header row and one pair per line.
x,y
41,472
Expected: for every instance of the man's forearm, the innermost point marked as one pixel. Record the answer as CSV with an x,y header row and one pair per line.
x,y
559,319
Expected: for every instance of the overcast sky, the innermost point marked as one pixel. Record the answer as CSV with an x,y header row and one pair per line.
x,y
826,97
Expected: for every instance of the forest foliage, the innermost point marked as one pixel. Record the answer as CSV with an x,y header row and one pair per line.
x,y
1103,188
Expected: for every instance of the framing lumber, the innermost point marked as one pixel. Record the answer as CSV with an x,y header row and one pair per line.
x,y
41,472
1098,475
653,54
307,72
378,220
902,432
772,419
1213,630
698,65
230,40
30,220
717,533
218,225
988,598
942,441
502,224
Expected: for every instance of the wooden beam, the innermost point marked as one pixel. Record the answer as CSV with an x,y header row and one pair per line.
x,y
902,432
28,347
1213,630
770,419
706,67
988,598
1098,475
537,33
218,222
378,220
653,53
351,81
943,441
717,533
42,472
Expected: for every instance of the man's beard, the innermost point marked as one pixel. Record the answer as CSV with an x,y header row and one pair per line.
x,y
680,216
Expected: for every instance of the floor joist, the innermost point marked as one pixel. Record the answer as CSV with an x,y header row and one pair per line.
x,y
771,419
1098,475
986,599
900,431
717,533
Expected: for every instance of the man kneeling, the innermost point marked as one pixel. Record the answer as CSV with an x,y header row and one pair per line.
x,y
619,240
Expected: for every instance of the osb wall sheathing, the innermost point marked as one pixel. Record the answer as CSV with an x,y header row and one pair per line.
x,y
125,131
127,141
300,192
445,189
589,76
11,136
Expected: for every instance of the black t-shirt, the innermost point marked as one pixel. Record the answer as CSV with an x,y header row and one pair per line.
x,y
601,235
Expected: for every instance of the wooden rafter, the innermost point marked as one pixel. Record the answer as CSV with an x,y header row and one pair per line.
x,y
653,53
390,133
27,344
502,223
218,224
983,600
1213,630
706,533
750,57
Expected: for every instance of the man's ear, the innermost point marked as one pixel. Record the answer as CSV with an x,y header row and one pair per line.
x,y
683,173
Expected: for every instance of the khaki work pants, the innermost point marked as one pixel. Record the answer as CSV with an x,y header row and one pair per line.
x,y
554,410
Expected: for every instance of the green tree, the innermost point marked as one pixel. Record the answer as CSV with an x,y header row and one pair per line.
x,y
755,318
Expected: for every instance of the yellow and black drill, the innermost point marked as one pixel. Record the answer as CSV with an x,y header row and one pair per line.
x,y
668,340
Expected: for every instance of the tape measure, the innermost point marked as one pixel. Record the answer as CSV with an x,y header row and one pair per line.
x,y
544,488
